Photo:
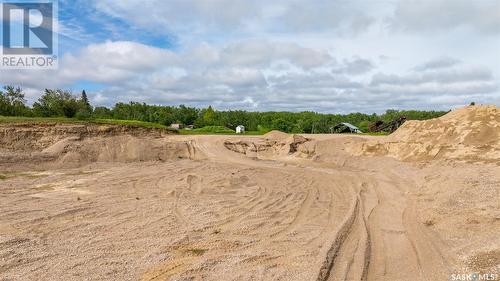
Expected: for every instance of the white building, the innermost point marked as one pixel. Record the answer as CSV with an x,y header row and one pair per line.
x,y
240,129
176,126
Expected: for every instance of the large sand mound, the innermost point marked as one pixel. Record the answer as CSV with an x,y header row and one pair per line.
x,y
471,133
471,126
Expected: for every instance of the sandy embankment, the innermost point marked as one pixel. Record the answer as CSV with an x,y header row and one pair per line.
x,y
108,203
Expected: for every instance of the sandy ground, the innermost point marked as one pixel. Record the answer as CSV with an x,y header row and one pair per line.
x,y
242,208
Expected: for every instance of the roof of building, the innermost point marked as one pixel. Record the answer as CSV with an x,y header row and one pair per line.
x,y
350,126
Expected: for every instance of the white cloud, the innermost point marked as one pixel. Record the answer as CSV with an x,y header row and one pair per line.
x,y
355,66
105,63
114,61
447,75
188,17
442,15
263,53
438,84
288,55
259,75
441,62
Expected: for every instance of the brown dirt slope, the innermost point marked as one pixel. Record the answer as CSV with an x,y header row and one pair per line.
x,y
65,144
471,133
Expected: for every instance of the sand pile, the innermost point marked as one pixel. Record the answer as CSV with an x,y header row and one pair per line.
x,y
274,143
471,133
276,135
74,145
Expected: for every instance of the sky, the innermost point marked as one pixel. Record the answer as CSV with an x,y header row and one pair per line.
x,y
332,56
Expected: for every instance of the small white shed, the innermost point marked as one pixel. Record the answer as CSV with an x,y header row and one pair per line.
x,y
240,129
176,126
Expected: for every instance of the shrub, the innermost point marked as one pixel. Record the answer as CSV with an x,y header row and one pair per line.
x,y
83,114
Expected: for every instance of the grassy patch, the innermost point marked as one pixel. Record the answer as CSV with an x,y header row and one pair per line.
x,y
8,175
131,123
216,130
16,119
45,187
254,133
197,251
376,133
211,130
33,176
82,173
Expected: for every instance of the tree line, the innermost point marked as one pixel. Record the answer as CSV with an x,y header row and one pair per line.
x,y
61,103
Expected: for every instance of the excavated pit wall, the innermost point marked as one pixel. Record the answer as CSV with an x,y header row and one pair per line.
x,y
33,144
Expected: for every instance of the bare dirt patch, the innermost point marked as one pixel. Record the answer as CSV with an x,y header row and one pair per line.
x,y
140,206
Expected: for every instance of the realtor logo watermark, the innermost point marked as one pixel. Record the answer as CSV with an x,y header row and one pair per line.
x,y
29,39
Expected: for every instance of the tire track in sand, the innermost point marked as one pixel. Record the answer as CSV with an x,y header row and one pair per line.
x,y
354,254
339,239
301,214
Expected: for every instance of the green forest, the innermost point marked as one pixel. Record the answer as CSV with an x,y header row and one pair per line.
x,y
61,103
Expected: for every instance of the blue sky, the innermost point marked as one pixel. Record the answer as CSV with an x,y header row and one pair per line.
x,y
85,25
328,56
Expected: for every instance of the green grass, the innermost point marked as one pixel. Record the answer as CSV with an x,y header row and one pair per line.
x,y
209,130
376,133
8,175
213,130
197,252
217,130
131,123
254,133
363,134
192,132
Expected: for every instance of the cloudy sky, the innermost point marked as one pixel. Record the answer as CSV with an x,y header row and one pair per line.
x,y
321,55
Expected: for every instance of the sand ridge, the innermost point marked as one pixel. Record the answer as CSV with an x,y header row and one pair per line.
x,y
470,134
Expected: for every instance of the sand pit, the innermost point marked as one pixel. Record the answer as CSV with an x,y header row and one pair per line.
x,y
120,204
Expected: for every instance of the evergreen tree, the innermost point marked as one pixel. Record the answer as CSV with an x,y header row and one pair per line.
x,y
85,101
84,108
